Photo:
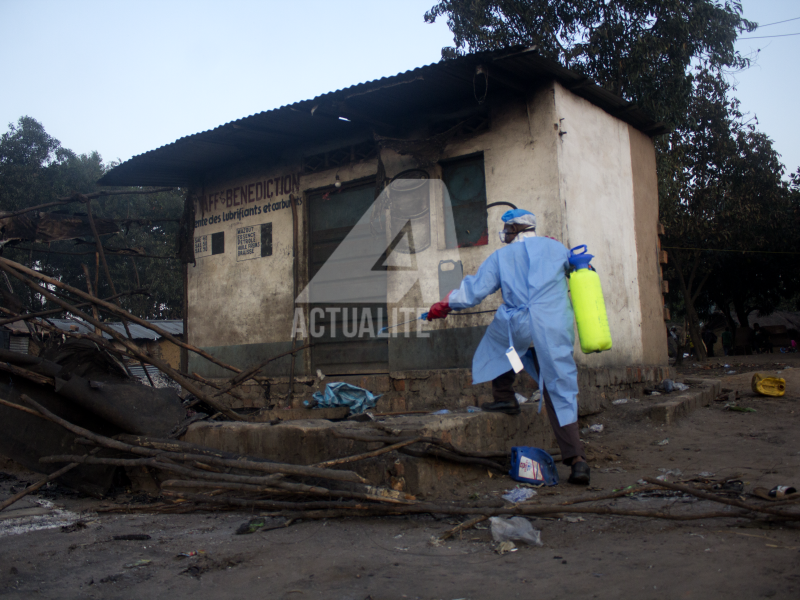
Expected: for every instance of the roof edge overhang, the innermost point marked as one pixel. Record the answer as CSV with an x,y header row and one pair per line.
x,y
339,114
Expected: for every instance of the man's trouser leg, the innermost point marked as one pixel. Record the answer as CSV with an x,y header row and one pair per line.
x,y
568,437
503,387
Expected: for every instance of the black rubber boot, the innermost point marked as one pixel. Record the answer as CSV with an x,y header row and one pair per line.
x,y
507,407
581,473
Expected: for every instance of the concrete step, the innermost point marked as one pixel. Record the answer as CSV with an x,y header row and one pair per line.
x,y
682,404
310,441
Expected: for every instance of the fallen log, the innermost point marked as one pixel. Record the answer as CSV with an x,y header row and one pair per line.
x,y
29,375
297,488
42,482
714,498
433,452
267,467
366,455
352,510
385,439
462,527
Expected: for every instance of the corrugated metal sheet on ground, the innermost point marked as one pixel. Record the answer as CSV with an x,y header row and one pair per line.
x,y
138,371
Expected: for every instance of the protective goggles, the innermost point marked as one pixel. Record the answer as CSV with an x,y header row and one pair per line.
x,y
508,236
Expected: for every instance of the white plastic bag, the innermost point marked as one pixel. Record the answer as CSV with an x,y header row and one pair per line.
x,y
515,528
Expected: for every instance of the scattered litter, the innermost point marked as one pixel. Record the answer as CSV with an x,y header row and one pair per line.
x,y
641,482
263,524
139,537
474,409
768,386
667,473
54,518
320,375
732,485
664,442
505,547
344,394
519,494
537,395
520,398
515,528
671,471
596,428
706,474
730,372
251,526
444,411
364,417
139,563
654,393
667,385
190,554
620,401
681,387
573,519
435,541
532,465
781,491
736,408
613,470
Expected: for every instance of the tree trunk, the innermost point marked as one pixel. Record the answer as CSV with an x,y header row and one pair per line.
x,y
725,309
742,313
689,295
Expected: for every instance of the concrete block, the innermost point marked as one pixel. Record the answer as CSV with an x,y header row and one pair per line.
x,y
312,441
677,406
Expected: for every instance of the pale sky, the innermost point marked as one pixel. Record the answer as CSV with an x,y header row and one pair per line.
x,y
123,78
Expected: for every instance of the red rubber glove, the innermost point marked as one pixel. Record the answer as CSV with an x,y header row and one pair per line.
x,y
440,310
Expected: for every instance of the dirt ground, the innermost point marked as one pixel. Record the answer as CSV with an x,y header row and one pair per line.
x,y
388,558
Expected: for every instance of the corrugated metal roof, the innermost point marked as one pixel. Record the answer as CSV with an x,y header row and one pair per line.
x,y
388,102
175,327
70,325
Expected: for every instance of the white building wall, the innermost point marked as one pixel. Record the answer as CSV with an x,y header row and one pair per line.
x,y
596,192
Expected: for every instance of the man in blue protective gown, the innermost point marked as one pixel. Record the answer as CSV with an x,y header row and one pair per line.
x,y
534,323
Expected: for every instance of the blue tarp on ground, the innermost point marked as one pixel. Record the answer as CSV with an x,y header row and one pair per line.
x,y
345,394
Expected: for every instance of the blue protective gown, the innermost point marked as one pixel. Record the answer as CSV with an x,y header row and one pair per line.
x,y
536,312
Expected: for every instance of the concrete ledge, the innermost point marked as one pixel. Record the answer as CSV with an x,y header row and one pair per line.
x,y
312,441
671,410
452,388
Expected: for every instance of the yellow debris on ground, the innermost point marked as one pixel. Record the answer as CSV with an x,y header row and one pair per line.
x,y
768,386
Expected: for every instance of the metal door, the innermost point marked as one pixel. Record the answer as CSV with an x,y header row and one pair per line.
x,y
349,342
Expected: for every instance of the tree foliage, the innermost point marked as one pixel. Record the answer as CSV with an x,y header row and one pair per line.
x,y
720,185
726,208
36,169
639,49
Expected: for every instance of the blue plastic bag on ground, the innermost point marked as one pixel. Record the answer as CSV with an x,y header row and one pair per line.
x,y
533,465
345,394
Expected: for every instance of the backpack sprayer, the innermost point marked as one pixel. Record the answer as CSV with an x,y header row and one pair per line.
x,y
587,302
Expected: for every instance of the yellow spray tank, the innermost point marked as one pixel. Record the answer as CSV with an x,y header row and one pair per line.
x,y
588,303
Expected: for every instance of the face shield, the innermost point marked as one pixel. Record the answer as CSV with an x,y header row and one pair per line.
x,y
517,221
507,236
